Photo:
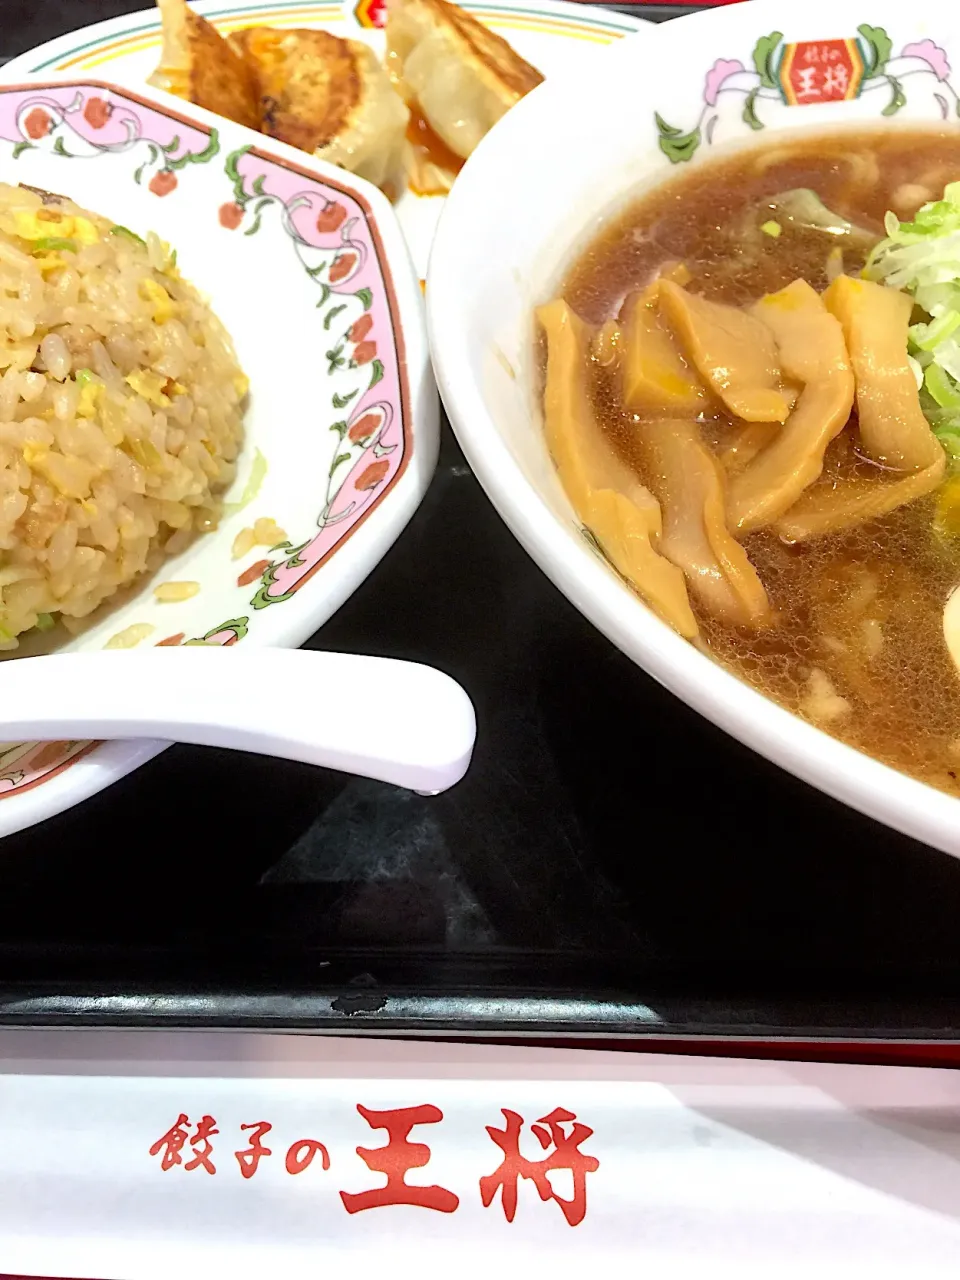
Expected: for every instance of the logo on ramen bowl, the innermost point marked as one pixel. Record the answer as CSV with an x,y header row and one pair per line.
x,y
821,71
783,75
371,13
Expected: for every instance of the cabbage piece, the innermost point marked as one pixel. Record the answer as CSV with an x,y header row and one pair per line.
x,y
802,208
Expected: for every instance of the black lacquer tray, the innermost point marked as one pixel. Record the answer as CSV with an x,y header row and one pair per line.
x,y
612,865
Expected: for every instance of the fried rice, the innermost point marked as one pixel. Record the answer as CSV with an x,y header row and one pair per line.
x,y
121,409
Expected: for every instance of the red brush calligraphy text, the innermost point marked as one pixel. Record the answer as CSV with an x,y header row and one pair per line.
x,y
249,1159
396,1159
301,1154
172,1143
566,1154
202,1146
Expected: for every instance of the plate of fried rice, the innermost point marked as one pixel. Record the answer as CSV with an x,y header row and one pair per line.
x,y
216,412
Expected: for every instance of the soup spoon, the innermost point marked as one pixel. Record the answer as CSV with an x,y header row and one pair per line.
x,y
399,722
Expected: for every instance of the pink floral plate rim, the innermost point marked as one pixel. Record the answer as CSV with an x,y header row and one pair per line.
x,y
388,421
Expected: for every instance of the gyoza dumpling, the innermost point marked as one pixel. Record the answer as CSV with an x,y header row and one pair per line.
x,y
457,74
327,96
324,95
197,64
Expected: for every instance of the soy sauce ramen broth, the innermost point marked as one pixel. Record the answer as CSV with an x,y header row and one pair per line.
x,y
864,607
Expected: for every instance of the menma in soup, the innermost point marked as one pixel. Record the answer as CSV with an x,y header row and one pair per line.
x,y
752,396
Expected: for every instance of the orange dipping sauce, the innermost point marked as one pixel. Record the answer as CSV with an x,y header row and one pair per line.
x,y
429,149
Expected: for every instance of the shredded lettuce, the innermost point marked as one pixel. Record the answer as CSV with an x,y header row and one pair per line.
x,y
922,258
927,337
941,387
950,439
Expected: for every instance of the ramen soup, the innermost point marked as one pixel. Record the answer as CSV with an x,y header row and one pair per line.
x,y
752,397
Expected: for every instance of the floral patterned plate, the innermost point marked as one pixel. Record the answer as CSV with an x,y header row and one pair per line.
x,y
554,36
308,269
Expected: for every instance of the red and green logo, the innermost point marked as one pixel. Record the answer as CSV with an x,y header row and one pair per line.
x,y
821,71
371,13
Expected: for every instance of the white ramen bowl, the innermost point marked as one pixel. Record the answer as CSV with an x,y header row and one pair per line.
x,y
306,267
536,192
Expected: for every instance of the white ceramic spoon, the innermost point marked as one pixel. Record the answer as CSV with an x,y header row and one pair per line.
x,y
399,722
